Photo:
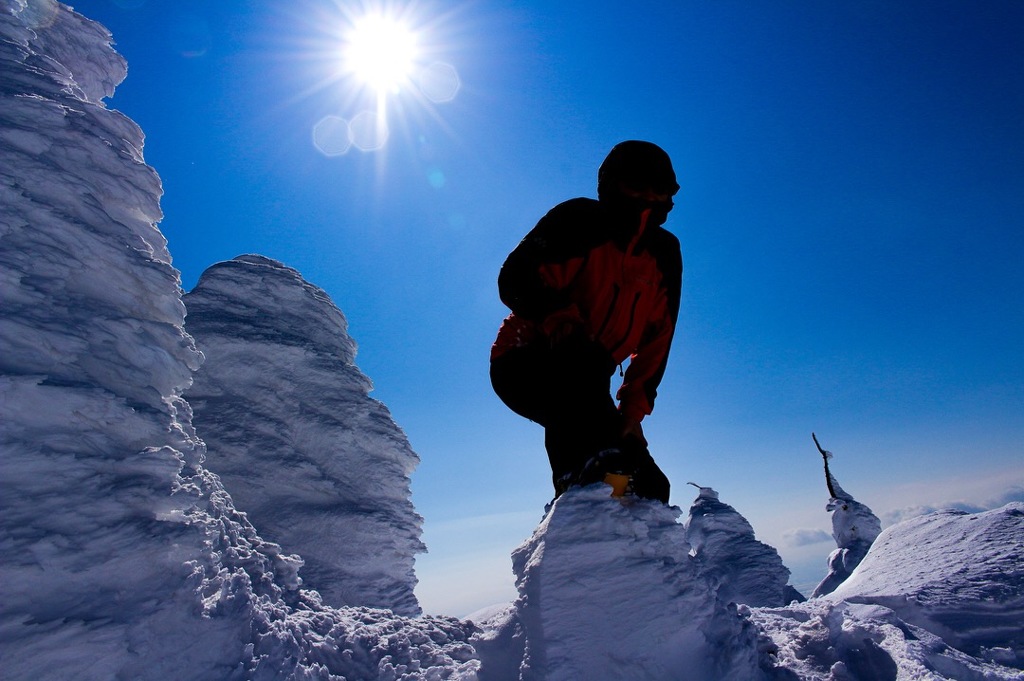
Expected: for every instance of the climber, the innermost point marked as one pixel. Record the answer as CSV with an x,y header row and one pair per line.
x,y
594,284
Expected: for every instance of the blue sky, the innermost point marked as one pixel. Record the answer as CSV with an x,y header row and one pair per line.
x,y
851,218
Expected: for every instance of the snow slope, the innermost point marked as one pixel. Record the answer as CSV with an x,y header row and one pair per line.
x,y
822,640
316,464
959,575
939,596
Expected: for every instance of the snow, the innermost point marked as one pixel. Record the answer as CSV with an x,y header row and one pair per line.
x,y
939,596
318,465
854,528
609,590
844,642
125,554
959,575
723,542
96,443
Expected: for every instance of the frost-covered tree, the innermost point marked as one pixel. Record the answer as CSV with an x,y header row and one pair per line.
x,y
318,465
854,529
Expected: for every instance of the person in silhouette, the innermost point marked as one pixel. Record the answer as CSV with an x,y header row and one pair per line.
x,y
594,284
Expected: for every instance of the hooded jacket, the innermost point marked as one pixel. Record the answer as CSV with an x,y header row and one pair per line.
x,y
608,275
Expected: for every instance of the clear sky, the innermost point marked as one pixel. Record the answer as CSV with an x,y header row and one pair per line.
x,y
851,218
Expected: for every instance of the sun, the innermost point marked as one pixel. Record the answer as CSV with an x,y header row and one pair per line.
x,y
378,64
381,52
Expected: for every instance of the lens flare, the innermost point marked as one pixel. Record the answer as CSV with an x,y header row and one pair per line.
x,y
385,68
331,135
369,131
439,82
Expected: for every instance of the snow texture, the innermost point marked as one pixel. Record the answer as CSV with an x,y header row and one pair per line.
x,y
826,641
614,591
609,590
937,597
316,464
123,556
959,575
745,570
854,528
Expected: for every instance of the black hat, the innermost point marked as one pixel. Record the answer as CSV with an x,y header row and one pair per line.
x,y
638,165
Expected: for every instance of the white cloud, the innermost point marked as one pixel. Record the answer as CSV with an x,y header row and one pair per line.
x,y
997,500
803,536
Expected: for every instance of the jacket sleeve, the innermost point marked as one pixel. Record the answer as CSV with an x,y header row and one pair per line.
x,y
647,365
535,279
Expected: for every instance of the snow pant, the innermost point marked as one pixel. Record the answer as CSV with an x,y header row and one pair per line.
x,y
567,390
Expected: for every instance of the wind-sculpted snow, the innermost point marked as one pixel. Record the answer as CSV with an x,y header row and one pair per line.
x,y
76,196
822,640
123,557
937,597
966,586
103,546
316,464
611,590
854,528
608,590
746,571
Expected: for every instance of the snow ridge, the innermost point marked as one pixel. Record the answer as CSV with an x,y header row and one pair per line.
x,y
611,590
316,463
937,597
969,592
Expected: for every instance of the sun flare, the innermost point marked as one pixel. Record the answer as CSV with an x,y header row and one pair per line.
x,y
381,52
384,67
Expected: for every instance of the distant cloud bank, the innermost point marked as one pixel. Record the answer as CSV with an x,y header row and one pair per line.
x,y
1013,493
805,537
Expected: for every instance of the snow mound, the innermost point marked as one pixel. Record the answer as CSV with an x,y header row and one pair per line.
x,y
745,570
608,590
854,528
937,597
359,644
316,464
958,575
611,590
839,641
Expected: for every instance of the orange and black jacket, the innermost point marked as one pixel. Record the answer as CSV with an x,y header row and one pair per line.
x,y
611,276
